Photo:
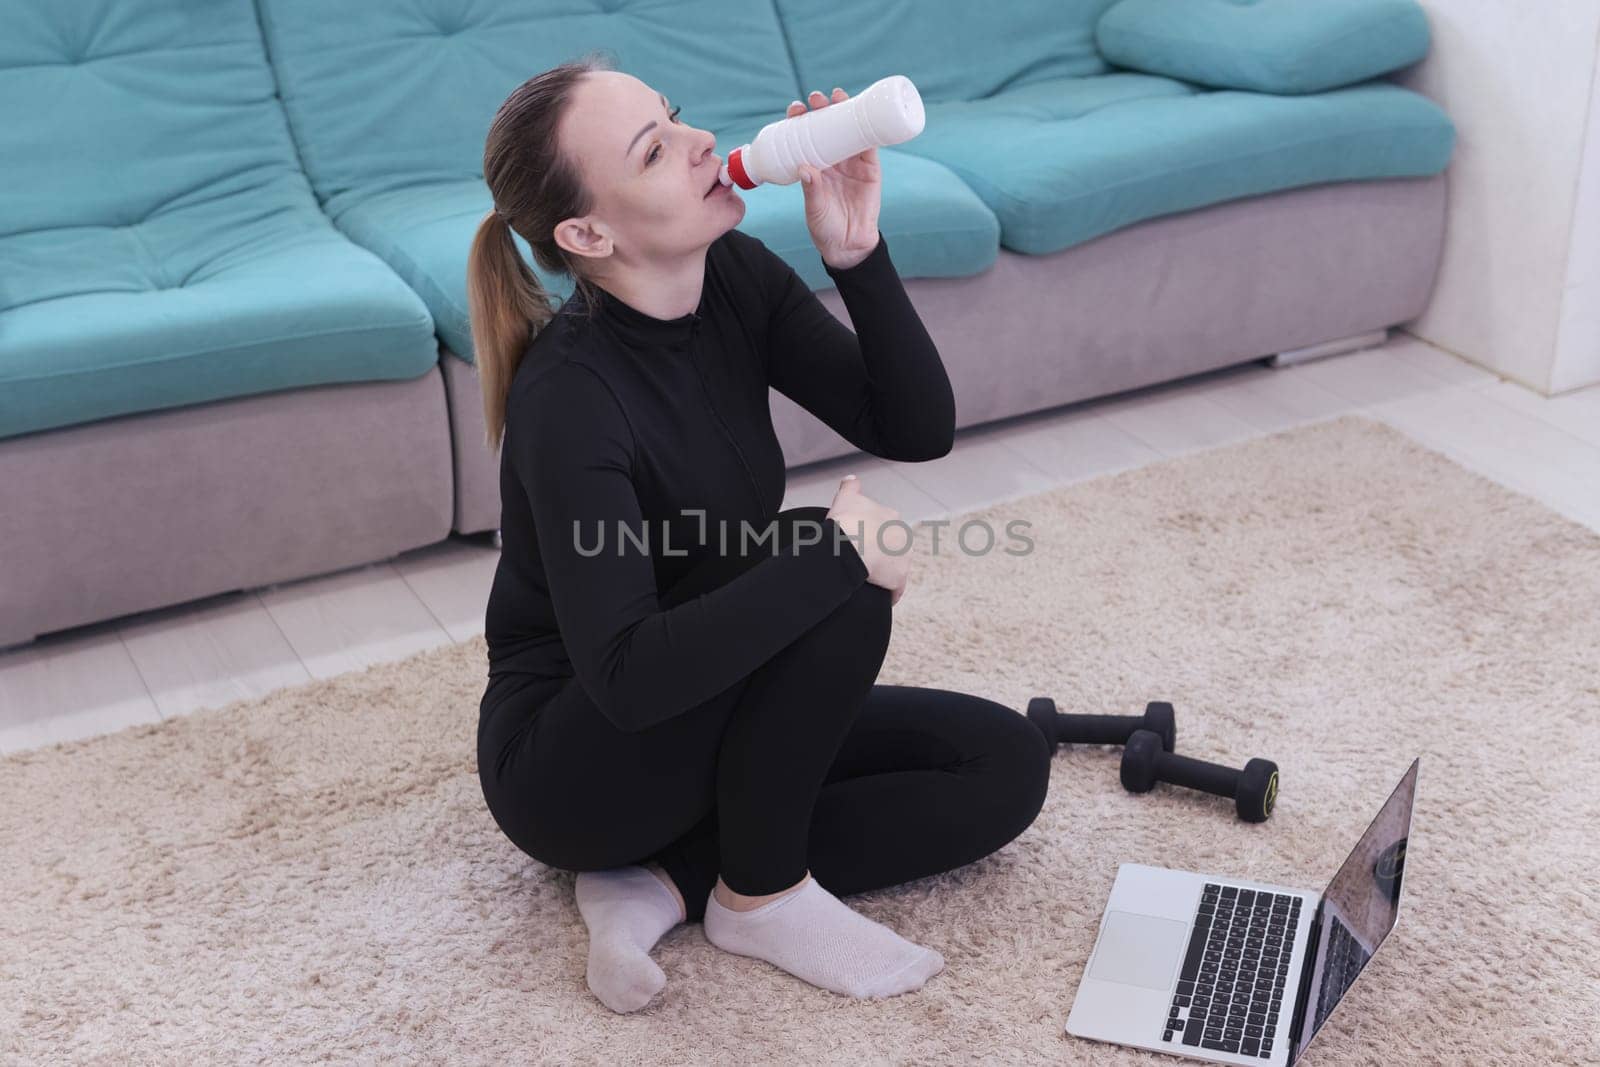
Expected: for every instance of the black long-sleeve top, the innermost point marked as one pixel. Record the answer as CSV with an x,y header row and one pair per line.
x,y
663,428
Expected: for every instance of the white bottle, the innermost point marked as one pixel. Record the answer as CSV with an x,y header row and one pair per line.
x,y
888,111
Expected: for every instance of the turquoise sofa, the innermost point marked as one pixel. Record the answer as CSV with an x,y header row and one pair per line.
x,y
234,347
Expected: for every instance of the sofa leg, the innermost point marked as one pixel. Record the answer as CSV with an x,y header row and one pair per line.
x,y
1329,348
497,544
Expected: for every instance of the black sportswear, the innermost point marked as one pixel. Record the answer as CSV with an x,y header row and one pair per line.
x,y
662,428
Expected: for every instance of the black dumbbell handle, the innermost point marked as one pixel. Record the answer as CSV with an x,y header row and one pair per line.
x,y
1098,729
1192,773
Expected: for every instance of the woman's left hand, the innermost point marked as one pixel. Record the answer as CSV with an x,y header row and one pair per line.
x,y
842,200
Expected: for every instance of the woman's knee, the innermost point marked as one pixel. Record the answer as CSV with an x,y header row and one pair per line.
x,y
1014,762
869,606
856,633
1027,757
717,570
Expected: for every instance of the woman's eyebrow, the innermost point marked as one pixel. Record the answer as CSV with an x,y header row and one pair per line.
x,y
644,131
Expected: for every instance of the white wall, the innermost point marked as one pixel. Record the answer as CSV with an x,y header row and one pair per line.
x,y
1578,342
1519,285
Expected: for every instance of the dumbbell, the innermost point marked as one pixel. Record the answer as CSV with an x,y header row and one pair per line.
x,y
1254,790
1060,728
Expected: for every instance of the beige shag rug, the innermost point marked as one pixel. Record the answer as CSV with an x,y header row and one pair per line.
x,y
313,876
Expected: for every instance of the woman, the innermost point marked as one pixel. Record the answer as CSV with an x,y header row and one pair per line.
x,y
690,723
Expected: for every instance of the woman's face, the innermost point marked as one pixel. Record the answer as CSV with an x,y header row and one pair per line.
x,y
649,171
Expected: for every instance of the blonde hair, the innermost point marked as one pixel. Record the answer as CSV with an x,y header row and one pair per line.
x,y
534,186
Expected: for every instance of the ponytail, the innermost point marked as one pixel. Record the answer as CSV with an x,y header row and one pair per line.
x,y
534,186
507,307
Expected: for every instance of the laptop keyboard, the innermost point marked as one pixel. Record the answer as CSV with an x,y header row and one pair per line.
x,y
1230,991
1345,959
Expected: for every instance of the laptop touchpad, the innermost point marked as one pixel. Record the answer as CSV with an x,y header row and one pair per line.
x,y
1140,950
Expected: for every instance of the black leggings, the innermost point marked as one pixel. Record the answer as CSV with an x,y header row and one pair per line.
x,y
804,764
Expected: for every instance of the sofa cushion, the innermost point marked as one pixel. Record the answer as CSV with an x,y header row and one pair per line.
x,y
382,97
1063,162
160,245
951,49
390,105
1269,46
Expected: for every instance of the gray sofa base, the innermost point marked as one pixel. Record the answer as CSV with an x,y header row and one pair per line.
x,y
477,505
1163,299
134,513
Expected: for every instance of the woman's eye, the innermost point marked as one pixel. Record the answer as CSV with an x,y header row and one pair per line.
x,y
673,115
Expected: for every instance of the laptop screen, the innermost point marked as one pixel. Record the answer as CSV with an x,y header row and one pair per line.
x,y
1360,906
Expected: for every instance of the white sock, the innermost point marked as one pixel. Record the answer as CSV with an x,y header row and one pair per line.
x,y
815,936
627,909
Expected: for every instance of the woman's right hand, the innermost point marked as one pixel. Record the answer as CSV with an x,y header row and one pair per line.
x,y
855,511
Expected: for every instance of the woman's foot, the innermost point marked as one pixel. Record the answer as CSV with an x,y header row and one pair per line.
x,y
816,937
626,909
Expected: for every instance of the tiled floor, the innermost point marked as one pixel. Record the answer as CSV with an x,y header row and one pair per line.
x,y
156,665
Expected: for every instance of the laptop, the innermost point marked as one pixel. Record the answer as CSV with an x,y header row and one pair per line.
x,y
1235,971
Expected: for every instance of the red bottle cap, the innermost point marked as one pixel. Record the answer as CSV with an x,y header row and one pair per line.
x,y
736,169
